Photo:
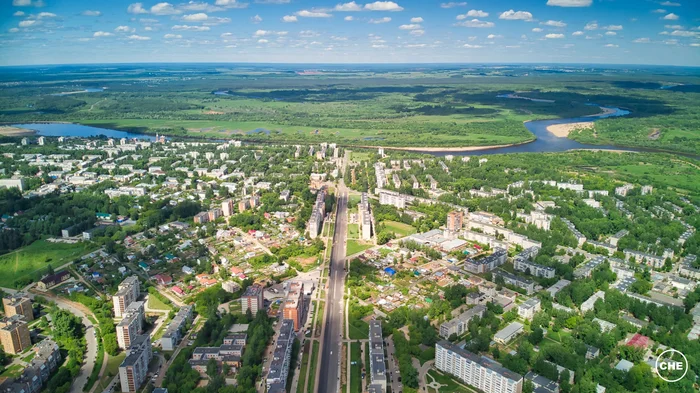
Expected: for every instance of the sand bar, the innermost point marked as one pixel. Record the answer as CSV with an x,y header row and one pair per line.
x,y
15,131
563,130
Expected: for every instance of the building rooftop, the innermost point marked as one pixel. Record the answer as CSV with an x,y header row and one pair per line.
x,y
486,363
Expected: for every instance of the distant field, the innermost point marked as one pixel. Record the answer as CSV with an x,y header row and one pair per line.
x,y
30,261
677,174
399,228
156,304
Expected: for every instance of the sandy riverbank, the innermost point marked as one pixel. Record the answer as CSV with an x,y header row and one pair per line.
x,y
15,131
447,149
563,130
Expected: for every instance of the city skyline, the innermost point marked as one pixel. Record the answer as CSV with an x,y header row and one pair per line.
x,y
35,32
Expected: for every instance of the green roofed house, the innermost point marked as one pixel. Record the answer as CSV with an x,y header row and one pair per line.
x,y
143,265
103,216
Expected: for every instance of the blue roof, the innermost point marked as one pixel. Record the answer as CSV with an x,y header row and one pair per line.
x,y
389,271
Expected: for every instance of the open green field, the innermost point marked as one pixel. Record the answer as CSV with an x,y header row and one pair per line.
x,y
312,367
12,371
112,369
355,368
355,246
353,231
677,174
399,228
449,384
31,261
304,367
156,304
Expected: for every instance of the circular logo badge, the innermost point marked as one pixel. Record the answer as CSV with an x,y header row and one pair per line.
x,y
668,368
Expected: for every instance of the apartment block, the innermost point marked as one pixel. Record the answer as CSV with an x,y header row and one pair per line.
x,y
460,324
133,370
18,304
127,292
131,325
377,363
252,299
173,333
281,357
482,373
14,334
294,307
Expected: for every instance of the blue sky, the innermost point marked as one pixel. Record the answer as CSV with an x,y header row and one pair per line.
x,y
317,31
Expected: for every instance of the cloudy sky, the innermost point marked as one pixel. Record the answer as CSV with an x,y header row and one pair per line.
x,y
319,31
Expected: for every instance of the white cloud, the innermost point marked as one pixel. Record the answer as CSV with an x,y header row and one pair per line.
x,y
453,4
684,33
164,9
613,27
417,20
383,6
46,15
148,20
256,19
148,28
413,26
289,18
348,18
642,40
191,28
493,36
199,17
473,14
671,16
553,36
476,23
416,46
671,42
577,33
695,44
308,34
470,46
659,11
18,13
612,46
90,13
27,23
263,41
172,36
102,34
347,7
313,14
674,27
136,8
670,4
138,38
537,30
232,4
569,3
610,33
516,15
417,33
263,33
124,29
554,23
13,30
591,26
385,19
27,3
377,46
273,1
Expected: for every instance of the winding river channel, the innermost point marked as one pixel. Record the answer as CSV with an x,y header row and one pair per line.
x,y
545,141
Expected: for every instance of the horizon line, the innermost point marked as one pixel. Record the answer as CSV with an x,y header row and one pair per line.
x,y
350,64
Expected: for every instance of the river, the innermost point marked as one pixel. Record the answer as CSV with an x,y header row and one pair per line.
x,y
545,141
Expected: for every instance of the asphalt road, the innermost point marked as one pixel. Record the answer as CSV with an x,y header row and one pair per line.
x,y
329,381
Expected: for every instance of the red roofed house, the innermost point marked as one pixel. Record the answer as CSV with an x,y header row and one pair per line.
x,y
178,291
638,341
163,279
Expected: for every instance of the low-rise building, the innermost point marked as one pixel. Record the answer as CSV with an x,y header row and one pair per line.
x,y
505,335
460,324
528,309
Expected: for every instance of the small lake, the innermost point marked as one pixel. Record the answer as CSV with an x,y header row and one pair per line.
x,y
88,90
69,130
